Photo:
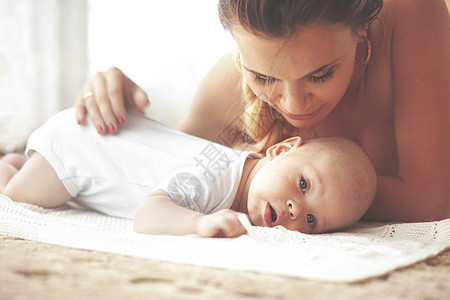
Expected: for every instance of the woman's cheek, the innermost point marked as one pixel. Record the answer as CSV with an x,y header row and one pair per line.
x,y
256,89
259,90
340,86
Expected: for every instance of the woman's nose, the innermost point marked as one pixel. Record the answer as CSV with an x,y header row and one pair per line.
x,y
295,98
294,209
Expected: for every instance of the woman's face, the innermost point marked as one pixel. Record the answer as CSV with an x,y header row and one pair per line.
x,y
304,76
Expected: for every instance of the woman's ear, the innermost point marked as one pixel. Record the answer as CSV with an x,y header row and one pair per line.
x,y
362,32
284,146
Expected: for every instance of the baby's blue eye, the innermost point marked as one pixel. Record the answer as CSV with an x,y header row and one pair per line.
x,y
311,220
303,185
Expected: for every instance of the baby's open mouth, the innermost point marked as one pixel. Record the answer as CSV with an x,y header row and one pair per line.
x,y
270,215
273,213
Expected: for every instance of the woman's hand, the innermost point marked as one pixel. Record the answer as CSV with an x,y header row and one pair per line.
x,y
224,223
106,98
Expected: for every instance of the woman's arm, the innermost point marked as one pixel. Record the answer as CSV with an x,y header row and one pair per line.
x,y
421,79
158,214
217,105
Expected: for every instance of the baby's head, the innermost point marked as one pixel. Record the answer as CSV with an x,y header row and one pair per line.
x,y
313,186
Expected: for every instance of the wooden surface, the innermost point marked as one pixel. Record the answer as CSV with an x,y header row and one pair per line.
x,y
31,270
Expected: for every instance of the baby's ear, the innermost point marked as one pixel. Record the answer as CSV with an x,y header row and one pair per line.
x,y
284,146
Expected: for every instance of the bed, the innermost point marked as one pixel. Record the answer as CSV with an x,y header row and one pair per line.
x,y
71,252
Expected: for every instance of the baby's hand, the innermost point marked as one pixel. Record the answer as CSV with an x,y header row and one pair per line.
x,y
224,223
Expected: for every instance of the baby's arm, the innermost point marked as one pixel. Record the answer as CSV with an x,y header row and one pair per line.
x,y
158,214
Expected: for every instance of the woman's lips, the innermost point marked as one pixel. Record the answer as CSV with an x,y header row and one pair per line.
x,y
305,116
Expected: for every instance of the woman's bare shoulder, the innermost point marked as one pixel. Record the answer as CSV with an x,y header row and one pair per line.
x,y
415,12
421,73
420,49
217,102
408,30
411,12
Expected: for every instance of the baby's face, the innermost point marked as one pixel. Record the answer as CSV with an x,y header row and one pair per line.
x,y
302,189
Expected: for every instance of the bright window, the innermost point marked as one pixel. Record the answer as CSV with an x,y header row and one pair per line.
x,y
166,47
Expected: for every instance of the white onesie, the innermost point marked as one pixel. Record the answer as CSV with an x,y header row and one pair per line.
x,y
113,173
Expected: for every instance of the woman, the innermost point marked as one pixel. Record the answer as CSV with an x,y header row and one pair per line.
x,y
376,73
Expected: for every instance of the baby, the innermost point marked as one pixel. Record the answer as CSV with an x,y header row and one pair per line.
x,y
173,183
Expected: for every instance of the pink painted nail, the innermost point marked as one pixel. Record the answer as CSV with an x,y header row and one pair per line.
x,y
111,128
100,129
121,120
78,121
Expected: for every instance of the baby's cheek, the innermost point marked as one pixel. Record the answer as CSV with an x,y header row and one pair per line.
x,y
254,219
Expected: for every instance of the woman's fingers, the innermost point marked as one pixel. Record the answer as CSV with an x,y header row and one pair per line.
x,y
116,85
140,98
90,105
80,110
106,99
136,98
101,102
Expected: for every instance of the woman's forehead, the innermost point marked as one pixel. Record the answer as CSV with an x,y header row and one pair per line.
x,y
309,49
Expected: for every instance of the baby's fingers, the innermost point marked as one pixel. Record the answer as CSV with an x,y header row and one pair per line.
x,y
223,223
231,227
235,231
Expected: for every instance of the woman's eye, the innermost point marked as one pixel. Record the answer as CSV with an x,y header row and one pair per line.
x,y
311,220
303,185
322,78
261,80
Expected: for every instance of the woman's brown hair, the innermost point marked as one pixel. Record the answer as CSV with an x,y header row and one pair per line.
x,y
277,19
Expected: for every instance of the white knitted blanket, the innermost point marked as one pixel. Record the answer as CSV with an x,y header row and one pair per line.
x,y
362,251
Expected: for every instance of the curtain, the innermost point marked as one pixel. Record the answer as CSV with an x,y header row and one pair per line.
x,y
43,63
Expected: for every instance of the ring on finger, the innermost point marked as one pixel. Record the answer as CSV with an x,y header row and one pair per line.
x,y
88,95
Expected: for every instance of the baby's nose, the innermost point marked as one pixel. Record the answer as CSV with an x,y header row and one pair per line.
x,y
294,209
